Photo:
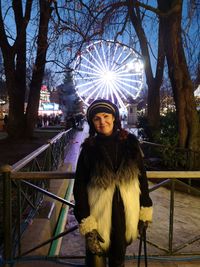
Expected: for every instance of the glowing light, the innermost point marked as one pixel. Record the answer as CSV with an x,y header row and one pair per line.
x,y
108,76
108,70
138,65
130,66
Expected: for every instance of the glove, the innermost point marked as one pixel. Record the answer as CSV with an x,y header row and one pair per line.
x,y
93,240
142,226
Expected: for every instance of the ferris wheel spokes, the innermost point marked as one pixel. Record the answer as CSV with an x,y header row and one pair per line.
x,y
92,93
108,70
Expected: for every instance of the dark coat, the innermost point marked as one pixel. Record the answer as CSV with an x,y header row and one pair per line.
x,y
107,165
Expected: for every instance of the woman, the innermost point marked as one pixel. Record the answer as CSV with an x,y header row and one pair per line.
x,y
111,189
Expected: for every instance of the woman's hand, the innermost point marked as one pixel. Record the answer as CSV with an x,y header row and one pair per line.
x,y
142,226
93,240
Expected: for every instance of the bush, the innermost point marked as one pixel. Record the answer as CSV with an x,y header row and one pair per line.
x,y
168,129
172,157
143,128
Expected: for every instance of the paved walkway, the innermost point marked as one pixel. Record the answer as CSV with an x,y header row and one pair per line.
x,y
74,148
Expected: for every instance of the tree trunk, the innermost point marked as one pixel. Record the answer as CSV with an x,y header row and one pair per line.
x,y
153,109
38,72
153,83
15,71
19,123
188,121
15,67
16,92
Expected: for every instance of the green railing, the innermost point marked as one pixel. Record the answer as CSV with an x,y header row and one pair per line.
x,y
170,178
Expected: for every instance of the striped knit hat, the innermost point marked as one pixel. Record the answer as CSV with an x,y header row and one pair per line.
x,y
102,105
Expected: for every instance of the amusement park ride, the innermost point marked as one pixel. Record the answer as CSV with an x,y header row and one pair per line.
x,y
106,69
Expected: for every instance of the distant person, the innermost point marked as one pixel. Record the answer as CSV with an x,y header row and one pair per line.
x,y
5,120
45,120
73,122
39,121
79,121
112,201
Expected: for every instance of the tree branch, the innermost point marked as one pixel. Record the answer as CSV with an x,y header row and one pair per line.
x,y
4,44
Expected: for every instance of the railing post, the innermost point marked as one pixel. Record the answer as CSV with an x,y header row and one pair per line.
x,y
19,215
7,213
63,140
171,216
49,157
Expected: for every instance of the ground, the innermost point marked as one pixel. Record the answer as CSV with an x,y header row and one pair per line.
x,y
14,150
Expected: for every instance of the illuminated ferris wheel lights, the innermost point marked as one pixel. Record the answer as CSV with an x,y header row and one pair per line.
x,y
130,66
108,70
136,66
108,76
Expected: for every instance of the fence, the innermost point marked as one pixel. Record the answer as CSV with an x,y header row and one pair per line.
x,y
9,175
171,179
172,157
22,200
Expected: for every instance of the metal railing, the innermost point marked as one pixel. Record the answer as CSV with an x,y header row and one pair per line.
x,y
172,157
18,196
171,178
47,157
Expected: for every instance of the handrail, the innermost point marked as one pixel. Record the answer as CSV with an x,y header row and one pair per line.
x,y
41,175
151,143
70,175
162,145
171,176
58,136
23,162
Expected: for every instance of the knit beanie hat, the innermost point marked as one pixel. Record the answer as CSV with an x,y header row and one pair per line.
x,y
102,105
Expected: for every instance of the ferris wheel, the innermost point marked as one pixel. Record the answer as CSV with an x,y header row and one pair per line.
x,y
109,70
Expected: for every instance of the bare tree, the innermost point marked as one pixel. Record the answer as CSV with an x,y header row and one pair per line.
x,y
15,19
182,86
14,55
153,82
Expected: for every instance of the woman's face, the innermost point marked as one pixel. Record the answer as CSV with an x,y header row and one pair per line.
x,y
103,123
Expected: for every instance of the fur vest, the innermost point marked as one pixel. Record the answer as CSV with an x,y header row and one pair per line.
x,y
100,202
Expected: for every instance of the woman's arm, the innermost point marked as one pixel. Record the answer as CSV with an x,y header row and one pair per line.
x,y
81,209
87,223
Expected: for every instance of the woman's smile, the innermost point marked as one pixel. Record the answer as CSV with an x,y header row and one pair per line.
x,y
103,123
